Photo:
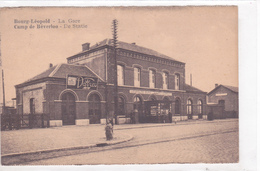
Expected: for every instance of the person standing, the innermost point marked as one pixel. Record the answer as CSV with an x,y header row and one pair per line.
x,y
109,130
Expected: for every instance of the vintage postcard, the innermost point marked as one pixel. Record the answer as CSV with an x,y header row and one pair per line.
x,y
119,85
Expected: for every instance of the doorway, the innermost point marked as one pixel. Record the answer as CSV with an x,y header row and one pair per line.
x,y
94,109
68,109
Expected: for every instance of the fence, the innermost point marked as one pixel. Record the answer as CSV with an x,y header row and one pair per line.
x,y
15,121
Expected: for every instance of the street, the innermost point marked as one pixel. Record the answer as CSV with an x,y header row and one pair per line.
x,y
202,142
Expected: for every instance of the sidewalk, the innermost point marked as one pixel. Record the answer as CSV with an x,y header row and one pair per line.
x,y
18,142
185,122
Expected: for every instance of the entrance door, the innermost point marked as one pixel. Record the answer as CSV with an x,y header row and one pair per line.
x,y
68,109
94,109
138,107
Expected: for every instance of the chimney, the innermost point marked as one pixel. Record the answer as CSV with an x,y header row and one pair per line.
x,y
216,85
85,46
51,65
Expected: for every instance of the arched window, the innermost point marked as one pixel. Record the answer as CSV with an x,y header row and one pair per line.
x,y
120,75
152,78
165,80
68,109
189,107
121,106
199,107
177,106
94,109
137,77
177,81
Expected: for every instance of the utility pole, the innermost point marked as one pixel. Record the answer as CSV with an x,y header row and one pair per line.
x,y
191,79
2,79
114,24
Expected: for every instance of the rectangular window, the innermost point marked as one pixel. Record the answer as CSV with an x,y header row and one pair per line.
x,y
177,81
165,80
151,78
120,75
137,77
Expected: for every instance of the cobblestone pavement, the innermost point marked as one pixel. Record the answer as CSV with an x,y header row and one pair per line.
x,y
219,148
31,140
209,142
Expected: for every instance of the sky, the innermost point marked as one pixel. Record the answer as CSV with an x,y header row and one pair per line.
x,y
205,38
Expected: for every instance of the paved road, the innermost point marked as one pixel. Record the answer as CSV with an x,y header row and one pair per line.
x,y
207,142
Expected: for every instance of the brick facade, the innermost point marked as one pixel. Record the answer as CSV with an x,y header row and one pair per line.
x,y
98,61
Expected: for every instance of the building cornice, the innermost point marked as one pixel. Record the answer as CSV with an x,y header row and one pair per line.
x,y
125,53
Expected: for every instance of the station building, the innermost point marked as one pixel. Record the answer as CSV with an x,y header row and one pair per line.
x,y
81,92
227,96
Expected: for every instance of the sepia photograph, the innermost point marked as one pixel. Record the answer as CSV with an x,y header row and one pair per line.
x,y
119,85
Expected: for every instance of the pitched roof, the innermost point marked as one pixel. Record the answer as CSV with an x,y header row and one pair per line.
x,y
130,47
232,88
66,69
43,74
62,70
192,89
